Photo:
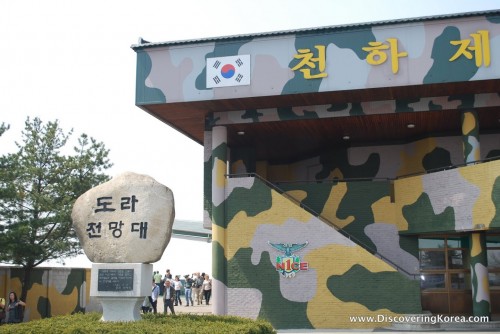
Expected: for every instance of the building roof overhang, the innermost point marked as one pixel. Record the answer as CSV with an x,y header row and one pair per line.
x,y
283,141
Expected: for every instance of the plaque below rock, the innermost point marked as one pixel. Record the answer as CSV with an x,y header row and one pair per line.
x,y
125,220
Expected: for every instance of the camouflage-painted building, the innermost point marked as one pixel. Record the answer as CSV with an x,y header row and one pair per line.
x,y
52,291
350,171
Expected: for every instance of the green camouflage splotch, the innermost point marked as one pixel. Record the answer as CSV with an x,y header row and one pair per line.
x,y
442,69
375,291
481,305
43,307
75,279
338,159
435,103
239,199
427,42
495,197
357,203
437,158
421,217
143,93
353,40
264,277
51,291
219,262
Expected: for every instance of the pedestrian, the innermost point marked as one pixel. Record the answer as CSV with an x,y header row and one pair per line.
x,y
178,288
168,298
197,288
153,299
168,275
146,305
157,279
207,288
15,309
187,289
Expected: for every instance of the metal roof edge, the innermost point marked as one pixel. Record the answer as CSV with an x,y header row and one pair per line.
x,y
142,43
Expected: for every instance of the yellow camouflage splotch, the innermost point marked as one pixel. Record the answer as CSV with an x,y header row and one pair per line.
x,y
344,258
386,212
476,248
406,192
59,304
329,211
411,162
482,176
298,195
469,122
241,229
39,293
219,179
336,173
218,236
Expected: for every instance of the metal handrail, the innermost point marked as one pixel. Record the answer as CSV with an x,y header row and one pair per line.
x,y
322,218
339,229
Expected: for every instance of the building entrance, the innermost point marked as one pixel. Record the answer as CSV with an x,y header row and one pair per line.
x,y
445,277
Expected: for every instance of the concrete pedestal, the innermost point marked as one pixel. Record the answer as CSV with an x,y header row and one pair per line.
x,y
121,288
121,309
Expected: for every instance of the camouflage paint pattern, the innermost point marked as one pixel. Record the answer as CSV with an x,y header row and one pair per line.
x,y
383,215
354,109
54,291
377,214
481,305
343,279
470,136
176,72
219,266
207,180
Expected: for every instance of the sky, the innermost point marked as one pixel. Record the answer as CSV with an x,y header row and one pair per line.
x,y
70,60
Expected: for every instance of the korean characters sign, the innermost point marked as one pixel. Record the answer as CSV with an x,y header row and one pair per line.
x,y
105,204
311,62
127,219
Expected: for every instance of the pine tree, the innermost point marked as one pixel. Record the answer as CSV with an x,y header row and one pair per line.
x,y
38,186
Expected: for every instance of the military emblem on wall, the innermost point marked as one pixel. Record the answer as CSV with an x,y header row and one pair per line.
x,y
289,263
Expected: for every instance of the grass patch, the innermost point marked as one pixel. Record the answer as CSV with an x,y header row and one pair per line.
x,y
150,324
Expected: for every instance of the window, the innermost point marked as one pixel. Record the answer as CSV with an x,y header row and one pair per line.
x,y
432,281
444,263
493,254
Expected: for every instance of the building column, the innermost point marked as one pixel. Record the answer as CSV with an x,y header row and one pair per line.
x,y
481,305
470,136
219,262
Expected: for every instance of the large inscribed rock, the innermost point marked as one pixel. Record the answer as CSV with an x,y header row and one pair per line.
x,y
125,220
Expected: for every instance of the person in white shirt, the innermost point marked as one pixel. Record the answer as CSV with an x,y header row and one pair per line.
x,y
155,292
177,287
207,288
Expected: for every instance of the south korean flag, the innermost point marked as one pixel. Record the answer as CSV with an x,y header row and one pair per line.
x,y
228,71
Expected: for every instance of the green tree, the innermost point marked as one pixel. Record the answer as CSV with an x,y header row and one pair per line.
x,y
38,186
3,128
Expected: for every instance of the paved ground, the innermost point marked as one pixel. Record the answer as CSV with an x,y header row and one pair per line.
x,y
207,309
196,309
